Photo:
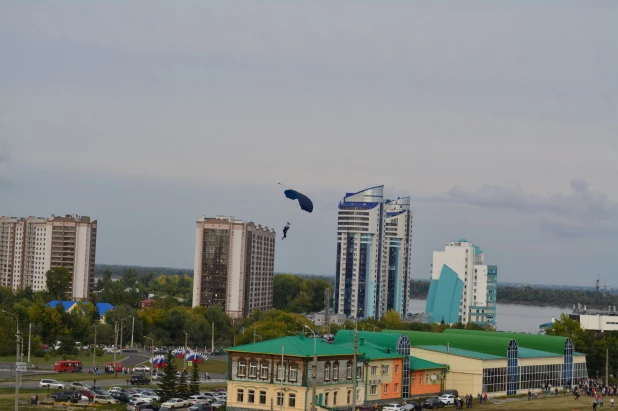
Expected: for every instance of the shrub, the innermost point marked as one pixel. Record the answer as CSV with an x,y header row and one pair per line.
x,y
38,353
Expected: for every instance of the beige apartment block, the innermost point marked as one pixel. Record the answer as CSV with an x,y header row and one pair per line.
x,y
234,265
30,246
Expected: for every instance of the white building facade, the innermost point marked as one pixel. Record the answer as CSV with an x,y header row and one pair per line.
x,y
374,238
29,247
478,296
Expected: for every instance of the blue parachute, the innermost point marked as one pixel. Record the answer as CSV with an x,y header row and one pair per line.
x,y
304,201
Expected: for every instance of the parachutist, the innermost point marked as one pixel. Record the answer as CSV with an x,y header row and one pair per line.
x,y
285,231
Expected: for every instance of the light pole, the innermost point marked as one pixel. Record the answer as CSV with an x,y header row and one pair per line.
x,y
151,353
16,319
17,373
185,352
132,329
315,364
256,335
29,339
94,347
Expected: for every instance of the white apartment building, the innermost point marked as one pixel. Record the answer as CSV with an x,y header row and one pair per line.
x,y
374,239
462,287
30,246
234,265
594,319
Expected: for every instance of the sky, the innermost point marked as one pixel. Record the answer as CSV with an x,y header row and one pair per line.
x,y
499,119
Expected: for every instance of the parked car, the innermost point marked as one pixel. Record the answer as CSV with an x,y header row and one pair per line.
x,y
66,396
142,397
175,403
88,394
200,399
147,407
447,399
121,396
115,389
393,407
202,407
141,368
453,392
80,386
139,380
212,395
105,399
414,405
130,349
132,405
51,384
433,403
218,404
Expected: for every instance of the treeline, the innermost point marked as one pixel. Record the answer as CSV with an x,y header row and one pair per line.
x,y
119,270
300,294
539,296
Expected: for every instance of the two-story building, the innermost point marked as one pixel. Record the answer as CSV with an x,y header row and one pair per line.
x,y
278,374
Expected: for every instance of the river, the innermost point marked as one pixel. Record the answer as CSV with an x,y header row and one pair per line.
x,y
512,317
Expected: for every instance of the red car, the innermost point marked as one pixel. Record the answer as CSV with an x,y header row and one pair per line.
x,y
89,394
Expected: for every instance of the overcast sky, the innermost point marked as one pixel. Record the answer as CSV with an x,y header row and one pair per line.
x,y
498,118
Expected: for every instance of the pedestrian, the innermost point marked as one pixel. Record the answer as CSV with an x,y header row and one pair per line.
x,y
33,399
611,403
37,400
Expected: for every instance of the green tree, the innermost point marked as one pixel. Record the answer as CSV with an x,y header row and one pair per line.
x,y
58,280
392,321
169,386
182,388
194,384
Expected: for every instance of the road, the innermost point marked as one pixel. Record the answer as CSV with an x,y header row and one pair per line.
x,y
31,378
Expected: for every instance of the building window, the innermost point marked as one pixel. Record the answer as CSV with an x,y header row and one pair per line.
x,y
385,388
336,371
279,398
327,372
253,370
335,398
293,373
384,369
348,373
264,373
374,369
396,388
396,368
281,372
326,399
242,368
292,400
349,397
373,389
240,396
251,397
262,397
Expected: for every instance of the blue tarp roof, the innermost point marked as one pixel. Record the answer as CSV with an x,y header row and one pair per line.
x,y
102,308
65,304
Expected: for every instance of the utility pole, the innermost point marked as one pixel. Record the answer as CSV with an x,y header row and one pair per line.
x,y
607,366
281,374
185,353
213,337
315,371
94,346
121,327
132,329
354,366
115,342
29,339
17,373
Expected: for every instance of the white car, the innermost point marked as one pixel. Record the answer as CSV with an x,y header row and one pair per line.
x,y
105,399
142,397
175,403
131,405
151,395
115,389
201,399
395,407
142,368
51,384
80,386
447,399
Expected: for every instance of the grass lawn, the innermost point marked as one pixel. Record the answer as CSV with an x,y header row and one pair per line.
x,y
209,366
85,359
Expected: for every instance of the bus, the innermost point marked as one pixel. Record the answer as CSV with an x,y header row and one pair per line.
x,y
68,365
109,367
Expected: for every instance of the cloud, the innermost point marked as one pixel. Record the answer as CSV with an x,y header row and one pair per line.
x,y
583,212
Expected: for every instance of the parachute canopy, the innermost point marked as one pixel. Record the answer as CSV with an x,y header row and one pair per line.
x,y
303,200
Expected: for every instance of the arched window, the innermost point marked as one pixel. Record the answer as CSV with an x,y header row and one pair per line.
x,y
327,371
567,373
512,371
335,370
403,348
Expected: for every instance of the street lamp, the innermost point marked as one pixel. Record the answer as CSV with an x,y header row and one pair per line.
x,y
18,333
151,353
256,335
315,364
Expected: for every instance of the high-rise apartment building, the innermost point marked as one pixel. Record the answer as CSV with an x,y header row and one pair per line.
x,y
462,287
234,265
374,240
30,246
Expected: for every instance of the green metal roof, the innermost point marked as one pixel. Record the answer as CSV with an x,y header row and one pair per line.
x,y
492,345
372,352
381,339
460,352
531,353
295,346
547,343
417,364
